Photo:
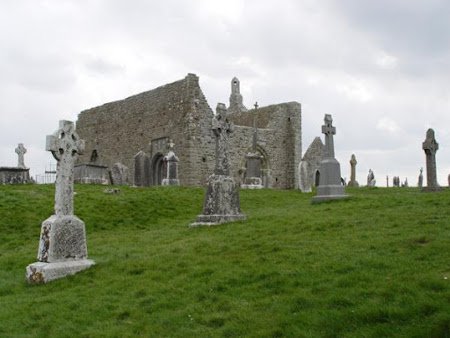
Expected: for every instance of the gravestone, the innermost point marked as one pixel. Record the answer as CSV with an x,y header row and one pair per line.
x,y
420,180
303,174
448,178
20,151
62,246
221,203
171,166
405,183
253,178
141,169
330,187
387,181
371,181
353,182
119,174
430,146
396,181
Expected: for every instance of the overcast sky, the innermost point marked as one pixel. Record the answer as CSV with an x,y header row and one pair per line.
x,y
381,68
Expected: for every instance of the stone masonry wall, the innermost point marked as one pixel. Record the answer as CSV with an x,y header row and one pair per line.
x,y
119,130
279,134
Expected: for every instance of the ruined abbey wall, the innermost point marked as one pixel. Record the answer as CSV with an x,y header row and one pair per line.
x,y
117,131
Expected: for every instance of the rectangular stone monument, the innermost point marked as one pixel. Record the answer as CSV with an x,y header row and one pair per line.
x,y
62,246
171,161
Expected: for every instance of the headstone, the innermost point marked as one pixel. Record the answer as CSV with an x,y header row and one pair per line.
x,y
371,181
448,178
405,183
221,203
119,174
353,182
62,246
396,181
387,181
420,180
303,174
253,178
141,169
20,151
330,187
430,146
171,166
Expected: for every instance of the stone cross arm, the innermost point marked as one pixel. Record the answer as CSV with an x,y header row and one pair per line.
x,y
65,141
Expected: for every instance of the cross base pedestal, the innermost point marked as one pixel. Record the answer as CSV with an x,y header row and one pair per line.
x,y
41,272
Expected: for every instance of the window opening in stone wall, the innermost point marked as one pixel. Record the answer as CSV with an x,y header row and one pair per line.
x,y
94,156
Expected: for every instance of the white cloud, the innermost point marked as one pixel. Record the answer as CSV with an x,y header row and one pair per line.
x,y
387,124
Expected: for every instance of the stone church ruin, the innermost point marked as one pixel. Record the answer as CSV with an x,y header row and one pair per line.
x,y
137,131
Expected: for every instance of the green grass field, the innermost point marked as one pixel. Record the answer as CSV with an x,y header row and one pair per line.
x,y
375,265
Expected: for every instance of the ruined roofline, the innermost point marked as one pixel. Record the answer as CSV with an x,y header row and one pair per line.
x,y
188,79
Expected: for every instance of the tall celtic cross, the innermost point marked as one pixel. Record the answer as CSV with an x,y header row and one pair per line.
x,y
20,151
329,131
353,164
430,146
65,146
222,129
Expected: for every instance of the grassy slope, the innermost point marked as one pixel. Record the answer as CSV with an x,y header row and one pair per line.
x,y
375,265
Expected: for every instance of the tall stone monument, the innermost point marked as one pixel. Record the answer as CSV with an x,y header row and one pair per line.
x,y
430,146
371,181
330,187
62,246
353,182
20,151
19,174
253,179
171,161
221,203
420,180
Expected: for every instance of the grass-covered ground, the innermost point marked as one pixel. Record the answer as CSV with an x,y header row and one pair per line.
x,y
376,265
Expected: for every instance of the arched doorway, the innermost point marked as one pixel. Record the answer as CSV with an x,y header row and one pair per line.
x,y
317,178
157,169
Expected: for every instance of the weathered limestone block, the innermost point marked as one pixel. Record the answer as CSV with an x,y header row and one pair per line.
x,y
221,203
119,174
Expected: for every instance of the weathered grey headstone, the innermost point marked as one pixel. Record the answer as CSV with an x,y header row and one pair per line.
x,y
387,181
353,162
141,169
371,181
304,177
62,246
396,181
171,161
420,180
20,151
253,179
330,187
405,183
430,146
448,178
221,203
119,174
